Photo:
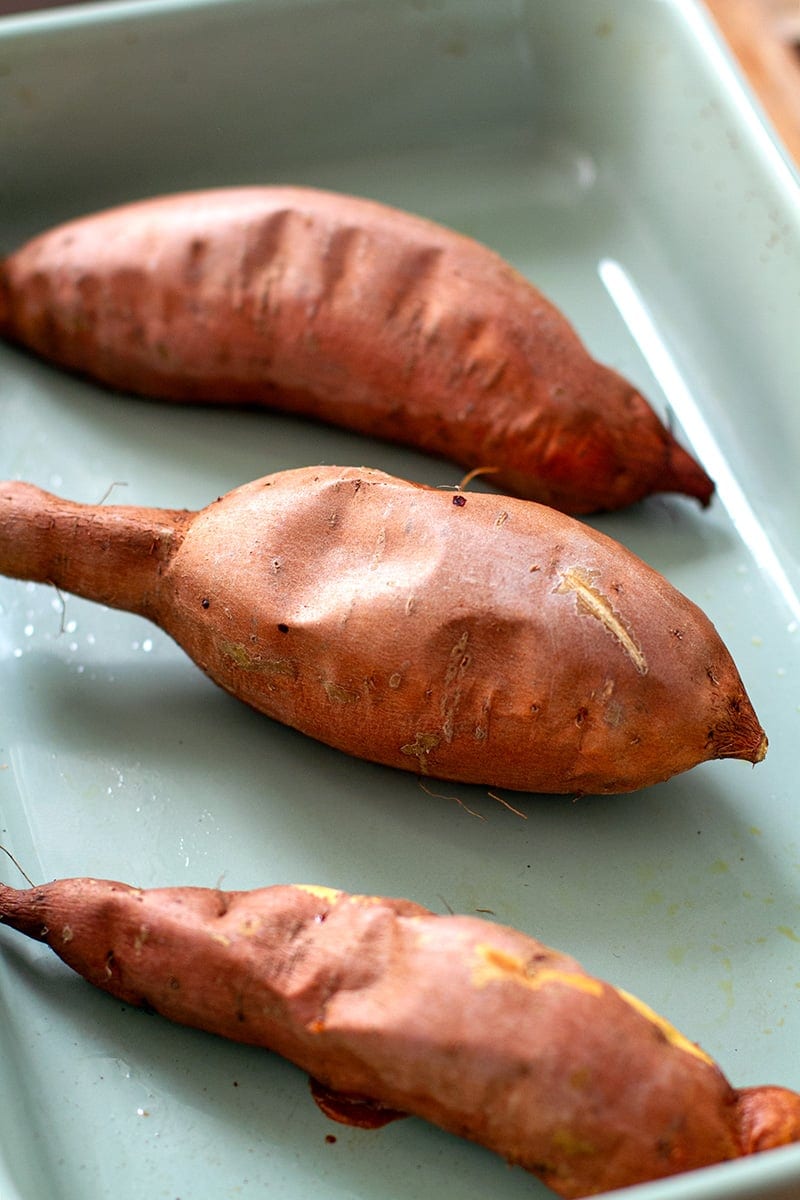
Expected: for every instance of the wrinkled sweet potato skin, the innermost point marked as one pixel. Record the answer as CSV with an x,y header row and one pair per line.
x,y
474,1026
349,311
464,636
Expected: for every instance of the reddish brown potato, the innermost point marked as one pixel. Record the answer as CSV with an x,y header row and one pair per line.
x,y
465,636
472,1025
345,310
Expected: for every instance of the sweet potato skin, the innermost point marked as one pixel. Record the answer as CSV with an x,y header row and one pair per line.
x,y
474,1026
463,636
349,311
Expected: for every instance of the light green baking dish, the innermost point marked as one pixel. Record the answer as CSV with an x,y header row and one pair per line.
x,y
609,149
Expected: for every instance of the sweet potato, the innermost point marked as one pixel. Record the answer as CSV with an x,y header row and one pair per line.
x,y
345,310
465,636
474,1026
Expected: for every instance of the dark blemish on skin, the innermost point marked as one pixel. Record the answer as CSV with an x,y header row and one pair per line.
x,y
352,1110
283,628
205,602
459,501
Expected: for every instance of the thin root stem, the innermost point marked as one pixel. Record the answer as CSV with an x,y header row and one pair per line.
x,y
506,804
473,474
440,796
63,613
116,483
23,873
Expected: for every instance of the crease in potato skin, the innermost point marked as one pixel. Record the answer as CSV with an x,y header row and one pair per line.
x,y
351,312
470,1024
412,632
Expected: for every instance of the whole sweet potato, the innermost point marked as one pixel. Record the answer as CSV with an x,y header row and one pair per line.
x,y
466,636
346,310
472,1025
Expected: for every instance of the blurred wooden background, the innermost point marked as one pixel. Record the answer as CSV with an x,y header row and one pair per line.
x,y
765,37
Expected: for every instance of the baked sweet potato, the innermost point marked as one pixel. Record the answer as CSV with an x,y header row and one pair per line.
x,y
352,312
472,1025
465,636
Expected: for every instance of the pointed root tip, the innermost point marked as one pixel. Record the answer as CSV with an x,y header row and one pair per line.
x,y
738,734
682,473
747,744
761,750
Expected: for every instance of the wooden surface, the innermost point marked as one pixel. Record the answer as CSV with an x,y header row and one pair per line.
x,y
764,35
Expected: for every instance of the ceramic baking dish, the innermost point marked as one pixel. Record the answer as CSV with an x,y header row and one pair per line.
x,y
609,149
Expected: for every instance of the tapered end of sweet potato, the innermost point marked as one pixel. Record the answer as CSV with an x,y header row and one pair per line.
x,y
739,734
768,1117
20,909
682,473
602,448
112,554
